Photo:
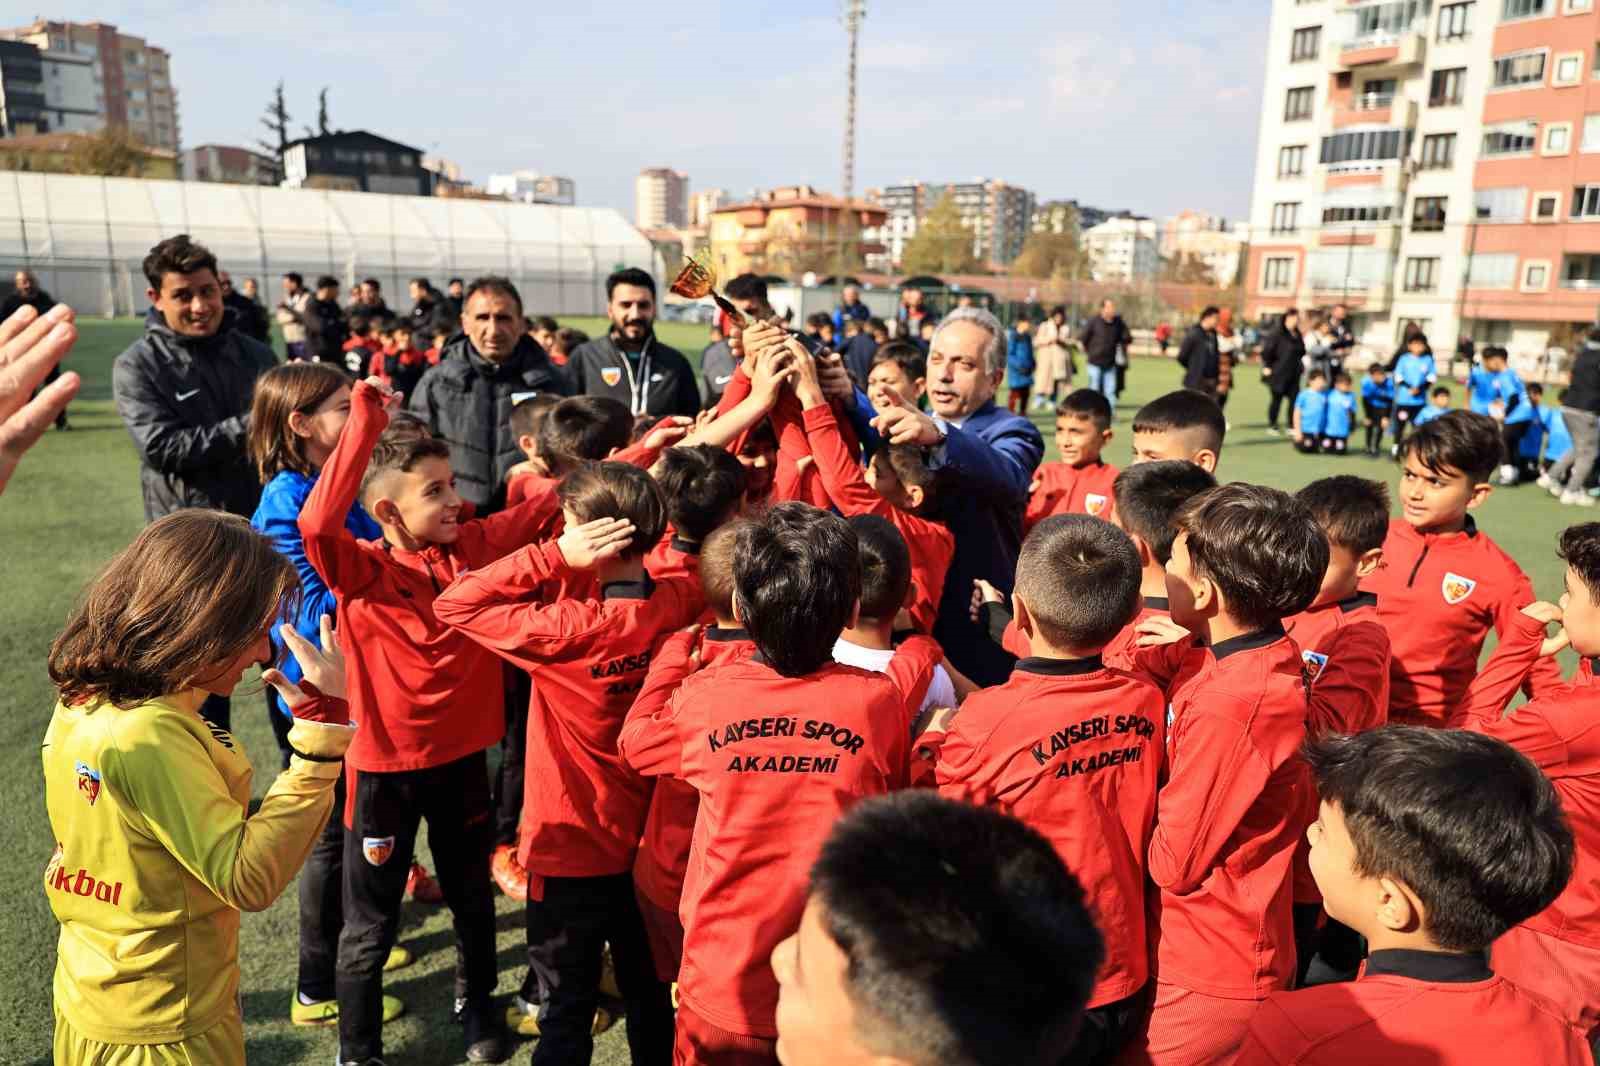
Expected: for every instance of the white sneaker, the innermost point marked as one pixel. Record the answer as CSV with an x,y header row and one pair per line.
x,y
1577,499
1544,482
1508,474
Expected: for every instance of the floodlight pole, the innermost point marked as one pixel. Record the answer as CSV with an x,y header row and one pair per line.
x,y
854,12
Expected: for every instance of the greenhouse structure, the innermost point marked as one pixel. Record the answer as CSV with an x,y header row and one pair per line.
x,y
84,237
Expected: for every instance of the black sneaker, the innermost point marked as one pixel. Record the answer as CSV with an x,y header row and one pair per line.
x,y
485,1032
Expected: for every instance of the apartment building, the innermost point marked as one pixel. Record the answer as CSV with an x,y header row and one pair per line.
x,y
661,199
1431,162
1000,216
95,76
532,187
1122,249
791,230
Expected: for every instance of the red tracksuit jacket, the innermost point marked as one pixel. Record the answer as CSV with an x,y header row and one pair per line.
x,y
1121,654
424,695
583,810
1438,596
1410,1008
1230,814
776,760
930,544
1065,489
1073,749
673,557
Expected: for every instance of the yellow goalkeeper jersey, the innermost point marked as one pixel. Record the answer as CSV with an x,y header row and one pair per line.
x,y
155,858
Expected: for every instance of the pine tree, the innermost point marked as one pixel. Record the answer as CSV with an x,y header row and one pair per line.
x,y
322,112
276,120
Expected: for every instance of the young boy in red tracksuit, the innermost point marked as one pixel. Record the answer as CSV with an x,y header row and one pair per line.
x,y
584,809
1148,498
1446,583
1346,651
429,702
1073,748
1556,952
1081,482
1234,803
1430,843
778,746
704,489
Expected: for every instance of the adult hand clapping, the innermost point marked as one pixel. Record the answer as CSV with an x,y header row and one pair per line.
x,y
30,346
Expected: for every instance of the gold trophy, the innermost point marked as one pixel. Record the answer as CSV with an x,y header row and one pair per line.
x,y
698,279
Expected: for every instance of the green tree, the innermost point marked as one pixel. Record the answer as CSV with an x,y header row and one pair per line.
x,y
1049,255
111,153
1184,269
943,244
276,120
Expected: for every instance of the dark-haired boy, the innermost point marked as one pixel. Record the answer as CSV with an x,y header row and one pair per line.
x,y
899,372
1556,953
1446,583
704,488
583,810
1235,799
429,702
1311,412
1431,844
1339,418
935,933
1073,747
778,746
1183,425
1080,481
1438,406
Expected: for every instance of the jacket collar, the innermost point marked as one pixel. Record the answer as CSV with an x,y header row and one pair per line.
x,y
1048,667
525,356
719,634
1359,600
616,346
1248,641
1438,967
687,547
155,324
1469,531
1157,603
628,590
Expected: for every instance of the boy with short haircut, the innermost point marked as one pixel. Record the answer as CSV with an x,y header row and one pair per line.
x,y
1438,405
1340,417
1180,425
1431,844
1414,371
1556,952
1529,456
527,419
1310,412
896,961
1235,800
1073,747
1497,391
1446,583
429,702
785,738
401,363
704,488
1080,481
544,332
1377,403
899,372
583,810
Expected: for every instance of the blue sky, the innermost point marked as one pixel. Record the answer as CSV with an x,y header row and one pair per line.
x,y
1150,105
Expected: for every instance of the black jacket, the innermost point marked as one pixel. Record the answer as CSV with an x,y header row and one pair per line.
x,y
1583,394
1199,357
468,401
431,314
1101,339
187,406
326,331
1283,357
40,301
717,367
599,368
250,316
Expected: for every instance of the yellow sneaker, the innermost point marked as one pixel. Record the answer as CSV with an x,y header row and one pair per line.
x,y
522,1018
326,1011
399,958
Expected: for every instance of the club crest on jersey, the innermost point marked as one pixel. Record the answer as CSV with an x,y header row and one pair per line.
x,y
1314,661
377,849
1456,588
1094,505
88,782
611,375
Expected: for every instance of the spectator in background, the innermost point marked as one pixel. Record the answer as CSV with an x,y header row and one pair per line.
x,y
325,324
567,341
544,332
291,316
368,300
250,318
1102,337
1019,366
28,294
1580,410
455,294
747,293
1052,359
1199,356
629,364
1343,338
1229,353
859,353
429,309
911,314
184,390
1282,361
1164,337
819,327
850,308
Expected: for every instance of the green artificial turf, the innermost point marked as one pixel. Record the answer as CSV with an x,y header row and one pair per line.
x,y
74,502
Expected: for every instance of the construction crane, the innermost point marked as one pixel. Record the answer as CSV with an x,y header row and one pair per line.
x,y
854,12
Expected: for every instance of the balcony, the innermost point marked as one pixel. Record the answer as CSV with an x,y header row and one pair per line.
x,y
1581,273
1387,48
1377,109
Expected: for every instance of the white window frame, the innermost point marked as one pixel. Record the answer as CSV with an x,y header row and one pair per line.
x,y
1533,206
1576,7
1266,267
1544,138
1546,13
1291,175
1527,267
1411,280
1570,217
1510,216
1544,75
1503,127
1555,70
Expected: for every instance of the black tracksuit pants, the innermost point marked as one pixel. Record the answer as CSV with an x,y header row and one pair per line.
x,y
322,906
508,778
389,807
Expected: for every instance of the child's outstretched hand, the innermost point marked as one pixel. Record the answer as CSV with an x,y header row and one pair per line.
x,y
1549,614
758,339
1157,630
323,670
982,593
773,368
585,545
387,397
667,432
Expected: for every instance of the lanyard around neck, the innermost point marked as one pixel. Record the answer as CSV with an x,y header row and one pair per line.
x,y
638,384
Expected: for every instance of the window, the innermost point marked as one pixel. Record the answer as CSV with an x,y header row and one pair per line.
x,y
1385,21
1336,213
1285,218
1427,214
1299,103
1455,21
1574,7
1438,151
1376,93
1536,276
1339,269
1278,275
1591,134
1524,9
1364,145
1511,138
1292,160
1582,272
1546,206
1496,270
1586,201
1306,44
1422,274
1519,70
1500,205
1448,87
1569,69
1557,138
